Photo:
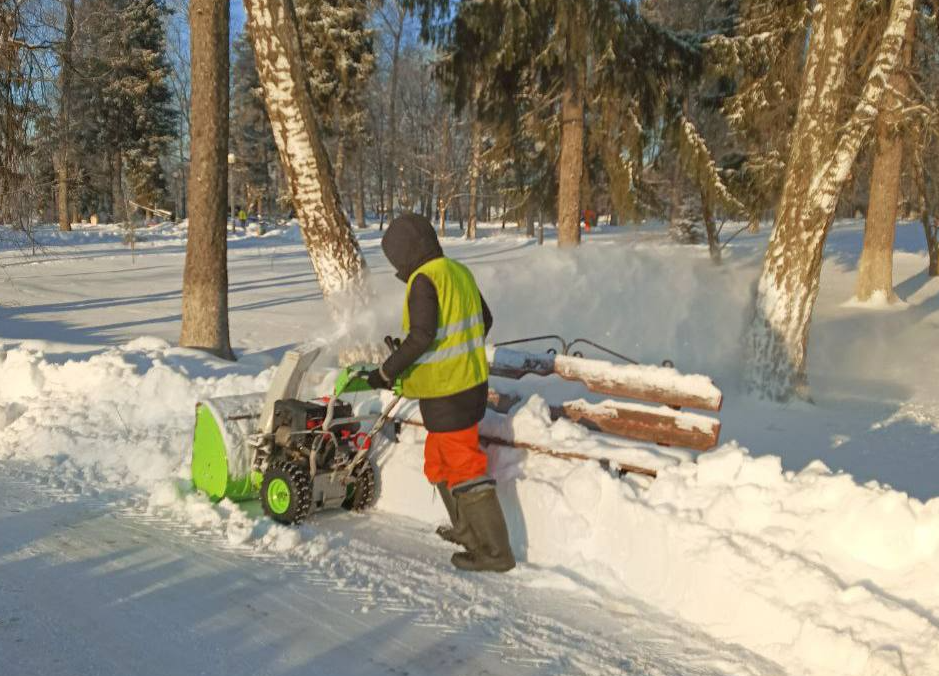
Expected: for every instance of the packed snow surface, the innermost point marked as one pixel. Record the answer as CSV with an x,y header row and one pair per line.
x,y
797,552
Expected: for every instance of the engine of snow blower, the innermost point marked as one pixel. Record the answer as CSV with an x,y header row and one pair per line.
x,y
313,447
316,456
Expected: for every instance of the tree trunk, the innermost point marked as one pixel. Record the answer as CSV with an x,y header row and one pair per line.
x,y
443,180
675,211
392,112
65,102
359,188
329,239
571,166
183,169
476,145
932,243
822,155
710,228
119,204
205,276
340,162
754,224
875,270
930,227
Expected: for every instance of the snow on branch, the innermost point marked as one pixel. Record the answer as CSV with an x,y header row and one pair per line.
x,y
699,163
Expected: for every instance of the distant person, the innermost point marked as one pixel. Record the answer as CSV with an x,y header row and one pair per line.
x,y
243,219
442,363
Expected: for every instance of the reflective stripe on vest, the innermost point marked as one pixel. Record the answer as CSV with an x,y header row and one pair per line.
x,y
456,361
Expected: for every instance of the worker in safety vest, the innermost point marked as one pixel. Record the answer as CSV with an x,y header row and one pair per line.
x,y
442,363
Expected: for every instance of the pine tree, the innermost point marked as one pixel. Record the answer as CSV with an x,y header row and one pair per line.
x,y
338,51
339,57
761,51
592,74
125,114
138,96
251,138
700,161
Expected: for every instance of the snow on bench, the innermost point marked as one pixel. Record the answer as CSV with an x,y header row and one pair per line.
x,y
645,382
664,424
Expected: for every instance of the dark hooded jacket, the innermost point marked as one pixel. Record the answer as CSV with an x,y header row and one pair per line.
x,y
409,243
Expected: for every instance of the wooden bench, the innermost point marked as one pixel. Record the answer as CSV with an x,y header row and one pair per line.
x,y
657,412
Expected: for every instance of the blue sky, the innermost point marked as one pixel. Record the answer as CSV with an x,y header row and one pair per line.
x,y
237,20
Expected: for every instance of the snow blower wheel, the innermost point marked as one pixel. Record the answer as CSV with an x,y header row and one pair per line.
x,y
286,494
360,494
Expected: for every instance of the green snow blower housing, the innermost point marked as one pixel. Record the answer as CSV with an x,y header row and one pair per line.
x,y
296,456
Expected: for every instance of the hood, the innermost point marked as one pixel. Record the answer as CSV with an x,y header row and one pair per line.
x,y
409,242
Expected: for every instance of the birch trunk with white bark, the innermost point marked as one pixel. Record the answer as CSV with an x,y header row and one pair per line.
x,y
330,242
824,149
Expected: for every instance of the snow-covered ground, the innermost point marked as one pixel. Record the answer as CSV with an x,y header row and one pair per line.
x,y
816,551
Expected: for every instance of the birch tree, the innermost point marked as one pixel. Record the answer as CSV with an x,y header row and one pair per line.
x,y
330,242
825,144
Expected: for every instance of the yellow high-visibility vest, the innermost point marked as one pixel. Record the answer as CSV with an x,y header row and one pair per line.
x,y
456,361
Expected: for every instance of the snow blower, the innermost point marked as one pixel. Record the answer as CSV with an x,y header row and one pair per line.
x,y
298,456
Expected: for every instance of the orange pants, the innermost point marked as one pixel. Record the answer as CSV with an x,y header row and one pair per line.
x,y
454,457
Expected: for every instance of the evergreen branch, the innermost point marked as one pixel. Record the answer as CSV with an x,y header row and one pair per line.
x,y
699,164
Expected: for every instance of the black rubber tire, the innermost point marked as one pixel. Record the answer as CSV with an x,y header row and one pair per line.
x,y
298,482
362,492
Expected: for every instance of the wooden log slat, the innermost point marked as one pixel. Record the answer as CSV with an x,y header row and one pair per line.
x,y
645,423
632,421
656,384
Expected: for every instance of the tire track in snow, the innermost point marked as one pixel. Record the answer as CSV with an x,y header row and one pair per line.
x,y
386,566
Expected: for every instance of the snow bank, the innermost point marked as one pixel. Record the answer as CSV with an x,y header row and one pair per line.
x,y
808,569
121,416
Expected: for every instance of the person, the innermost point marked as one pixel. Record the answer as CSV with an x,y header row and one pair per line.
x,y
442,363
242,218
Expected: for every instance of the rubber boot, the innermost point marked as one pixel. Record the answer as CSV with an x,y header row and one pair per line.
x,y
459,533
481,511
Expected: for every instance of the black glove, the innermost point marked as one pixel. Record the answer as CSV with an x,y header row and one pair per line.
x,y
376,381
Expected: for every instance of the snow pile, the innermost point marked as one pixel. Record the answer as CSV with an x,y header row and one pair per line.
x,y
808,569
120,416
878,301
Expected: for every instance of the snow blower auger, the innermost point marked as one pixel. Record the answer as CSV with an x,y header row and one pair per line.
x,y
298,456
